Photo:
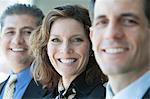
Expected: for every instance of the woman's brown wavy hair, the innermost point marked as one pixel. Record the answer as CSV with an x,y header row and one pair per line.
x,y
43,70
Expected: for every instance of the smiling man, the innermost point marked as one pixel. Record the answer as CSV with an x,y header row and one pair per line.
x,y
121,42
17,23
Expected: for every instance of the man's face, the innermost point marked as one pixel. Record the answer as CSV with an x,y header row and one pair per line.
x,y
15,40
120,36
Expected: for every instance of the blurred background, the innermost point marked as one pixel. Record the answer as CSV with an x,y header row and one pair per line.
x,y
45,6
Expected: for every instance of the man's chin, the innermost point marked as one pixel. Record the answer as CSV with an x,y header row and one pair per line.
x,y
26,60
21,61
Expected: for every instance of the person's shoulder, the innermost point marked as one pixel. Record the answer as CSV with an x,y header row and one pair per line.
x,y
52,94
95,91
35,90
3,77
147,94
98,91
2,84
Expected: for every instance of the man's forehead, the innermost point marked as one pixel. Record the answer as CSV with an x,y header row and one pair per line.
x,y
108,7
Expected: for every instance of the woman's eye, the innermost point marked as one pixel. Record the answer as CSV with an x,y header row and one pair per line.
x,y
77,40
55,40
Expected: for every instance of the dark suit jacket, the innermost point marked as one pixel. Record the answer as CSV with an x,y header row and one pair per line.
x,y
94,90
33,90
147,94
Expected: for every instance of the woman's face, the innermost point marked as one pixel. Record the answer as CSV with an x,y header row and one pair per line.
x,y
68,47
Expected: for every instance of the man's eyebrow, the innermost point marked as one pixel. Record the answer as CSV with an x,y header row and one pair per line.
x,y
100,16
130,15
28,27
9,28
123,14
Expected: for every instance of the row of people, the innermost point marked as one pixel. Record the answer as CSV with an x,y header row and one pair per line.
x,y
63,63
59,70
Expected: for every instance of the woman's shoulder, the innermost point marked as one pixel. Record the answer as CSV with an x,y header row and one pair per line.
x,y
86,90
51,94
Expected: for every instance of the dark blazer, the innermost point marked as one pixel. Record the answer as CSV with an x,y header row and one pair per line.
x,y
147,94
94,90
33,90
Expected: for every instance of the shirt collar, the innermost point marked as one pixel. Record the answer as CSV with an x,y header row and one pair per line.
x,y
26,73
135,90
24,76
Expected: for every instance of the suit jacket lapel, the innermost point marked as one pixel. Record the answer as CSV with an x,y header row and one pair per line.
x,y
3,84
147,94
35,91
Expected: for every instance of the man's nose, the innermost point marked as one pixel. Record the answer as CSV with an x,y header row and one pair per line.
x,y
114,31
18,38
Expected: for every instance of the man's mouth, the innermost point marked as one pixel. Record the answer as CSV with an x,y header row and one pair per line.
x,y
18,49
114,50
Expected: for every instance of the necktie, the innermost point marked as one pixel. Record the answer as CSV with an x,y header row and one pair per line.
x,y
9,89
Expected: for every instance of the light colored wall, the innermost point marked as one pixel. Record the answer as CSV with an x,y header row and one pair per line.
x,y
47,5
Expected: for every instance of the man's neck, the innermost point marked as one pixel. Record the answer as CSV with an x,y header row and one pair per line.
x,y
119,82
17,69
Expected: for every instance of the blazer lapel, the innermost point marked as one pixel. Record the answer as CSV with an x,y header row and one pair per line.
x,y
3,84
147,94
35,91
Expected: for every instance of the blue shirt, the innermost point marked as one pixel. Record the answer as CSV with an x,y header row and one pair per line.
x,y
135,90
23,79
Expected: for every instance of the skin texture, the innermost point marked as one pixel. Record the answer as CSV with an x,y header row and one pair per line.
x,y
15,40
121,41
68,48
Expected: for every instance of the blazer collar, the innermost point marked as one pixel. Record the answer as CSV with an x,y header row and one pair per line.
x,y
35,90
147,94
3,84
82,86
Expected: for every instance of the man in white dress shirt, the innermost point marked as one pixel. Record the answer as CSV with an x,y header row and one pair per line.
x,y
121,42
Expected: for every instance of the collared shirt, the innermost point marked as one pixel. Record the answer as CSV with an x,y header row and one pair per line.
x,y
135,90
65,93
23,79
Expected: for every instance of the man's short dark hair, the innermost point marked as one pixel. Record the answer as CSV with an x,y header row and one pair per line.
x,y
146,9
20,9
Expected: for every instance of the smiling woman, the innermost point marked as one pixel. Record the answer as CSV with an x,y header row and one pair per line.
x,y
64,58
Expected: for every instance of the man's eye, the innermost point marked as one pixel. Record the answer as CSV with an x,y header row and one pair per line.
x,y
101,23
27,32
129,22
9,33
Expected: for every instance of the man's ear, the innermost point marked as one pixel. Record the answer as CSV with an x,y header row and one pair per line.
x,y
91,33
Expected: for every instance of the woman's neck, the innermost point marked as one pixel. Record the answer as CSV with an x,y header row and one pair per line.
x,y
66,81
